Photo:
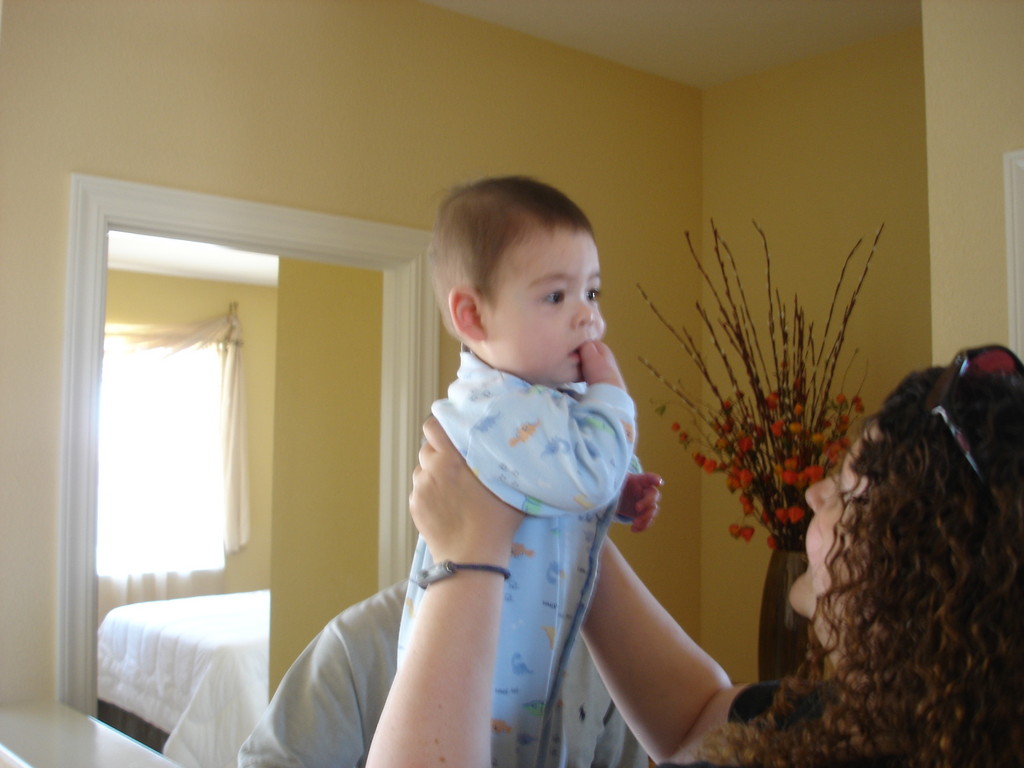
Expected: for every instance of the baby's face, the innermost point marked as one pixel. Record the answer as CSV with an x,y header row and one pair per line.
x,y
544,308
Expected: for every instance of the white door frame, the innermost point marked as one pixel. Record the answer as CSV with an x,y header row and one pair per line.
x,y
409,335
1013,163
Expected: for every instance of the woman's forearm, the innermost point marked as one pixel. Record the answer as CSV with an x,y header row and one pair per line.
x,y
438,711
439,708
669,690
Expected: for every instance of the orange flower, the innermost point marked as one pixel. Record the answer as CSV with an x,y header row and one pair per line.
x,y
778,428
790,515
814,473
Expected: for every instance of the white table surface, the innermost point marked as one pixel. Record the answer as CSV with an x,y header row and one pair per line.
x,y
52,735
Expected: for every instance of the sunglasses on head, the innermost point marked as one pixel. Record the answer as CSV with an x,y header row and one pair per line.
x,y
982,361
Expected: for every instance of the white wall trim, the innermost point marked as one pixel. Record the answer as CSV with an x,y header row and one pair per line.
x,y
408,367
1014,174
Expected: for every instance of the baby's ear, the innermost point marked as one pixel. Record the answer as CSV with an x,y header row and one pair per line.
x,y
464,310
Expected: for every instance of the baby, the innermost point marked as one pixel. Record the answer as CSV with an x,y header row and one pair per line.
x,y
541,413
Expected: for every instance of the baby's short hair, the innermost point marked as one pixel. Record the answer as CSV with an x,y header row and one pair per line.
x,y
478,222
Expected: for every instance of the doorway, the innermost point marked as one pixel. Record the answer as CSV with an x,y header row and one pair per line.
x,y
408,365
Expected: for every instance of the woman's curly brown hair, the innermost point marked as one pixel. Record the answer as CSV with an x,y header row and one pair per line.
x,y
928,581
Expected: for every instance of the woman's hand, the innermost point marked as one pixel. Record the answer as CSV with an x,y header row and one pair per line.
x,y
457,516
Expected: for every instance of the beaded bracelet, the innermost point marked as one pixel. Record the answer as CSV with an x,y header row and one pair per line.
x,y
447,568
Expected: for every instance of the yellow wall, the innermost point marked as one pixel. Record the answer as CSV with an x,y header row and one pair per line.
x,y
820,153
134,297
326,448
364,109
974,67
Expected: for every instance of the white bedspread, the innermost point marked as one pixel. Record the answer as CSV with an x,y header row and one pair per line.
x,y
197,668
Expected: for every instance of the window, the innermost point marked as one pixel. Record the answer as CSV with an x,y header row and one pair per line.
x,y
161,479
171,457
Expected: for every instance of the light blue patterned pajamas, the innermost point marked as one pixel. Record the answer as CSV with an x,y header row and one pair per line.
x,y
561,457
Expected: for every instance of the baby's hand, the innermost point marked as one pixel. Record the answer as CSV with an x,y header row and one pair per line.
x,y
639,500
598,365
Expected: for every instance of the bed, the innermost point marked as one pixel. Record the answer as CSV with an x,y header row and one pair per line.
x,y
188,676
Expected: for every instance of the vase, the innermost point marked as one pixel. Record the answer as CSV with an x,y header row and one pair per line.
x,y
782,639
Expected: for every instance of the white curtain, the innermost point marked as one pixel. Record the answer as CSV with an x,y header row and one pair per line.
x,y
222,334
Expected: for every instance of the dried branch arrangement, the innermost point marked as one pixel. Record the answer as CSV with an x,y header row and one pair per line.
x,y
773,424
